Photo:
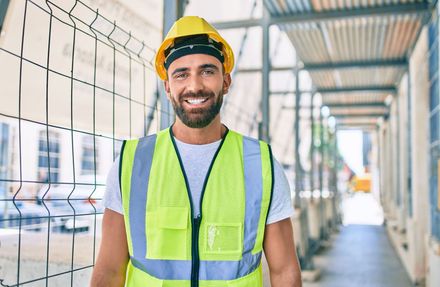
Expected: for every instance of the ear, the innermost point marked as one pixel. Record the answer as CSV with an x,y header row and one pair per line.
x,y
226,83
166,85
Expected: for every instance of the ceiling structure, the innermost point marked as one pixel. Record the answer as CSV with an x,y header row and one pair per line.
x,y
356,51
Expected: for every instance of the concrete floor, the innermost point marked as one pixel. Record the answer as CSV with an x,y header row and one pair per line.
x,y
360,256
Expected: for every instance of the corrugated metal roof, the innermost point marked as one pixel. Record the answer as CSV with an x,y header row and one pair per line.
x,y
363,39
356,77
281,7
356,121
354,99
358,111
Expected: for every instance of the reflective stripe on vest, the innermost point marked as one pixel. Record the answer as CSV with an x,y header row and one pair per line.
x,y
139,161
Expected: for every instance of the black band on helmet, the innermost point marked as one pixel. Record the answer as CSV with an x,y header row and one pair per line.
x,y
199,44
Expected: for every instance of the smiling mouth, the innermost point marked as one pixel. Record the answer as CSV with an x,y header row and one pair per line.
x,y
196,101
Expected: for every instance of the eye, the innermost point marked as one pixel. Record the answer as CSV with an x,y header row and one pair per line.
x,y
208,72
180,76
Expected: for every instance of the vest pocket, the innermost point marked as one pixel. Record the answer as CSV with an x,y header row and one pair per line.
x,y
223,238
167,233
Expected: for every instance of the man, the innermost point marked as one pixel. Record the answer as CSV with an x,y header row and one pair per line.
x,y
196,204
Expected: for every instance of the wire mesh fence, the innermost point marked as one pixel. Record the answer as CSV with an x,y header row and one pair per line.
x,y
74,84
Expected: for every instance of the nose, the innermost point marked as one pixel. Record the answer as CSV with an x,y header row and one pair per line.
x,y
195,84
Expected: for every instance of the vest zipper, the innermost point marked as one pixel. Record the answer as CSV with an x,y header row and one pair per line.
x,y
195,252
195,222
198,219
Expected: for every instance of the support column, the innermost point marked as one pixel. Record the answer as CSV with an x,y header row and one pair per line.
x,y
298,170
383,168
313,204
173,10
312,146
321,175
265,121
313,218
335,199
301,218
394,159
418,161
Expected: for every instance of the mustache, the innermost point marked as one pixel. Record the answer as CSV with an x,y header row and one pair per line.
x,y
199,94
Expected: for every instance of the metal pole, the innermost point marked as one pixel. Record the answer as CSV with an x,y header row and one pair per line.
x,y
398,165
173,10
409,150
298,170
305,258
335,179
312,147
321,172
264,128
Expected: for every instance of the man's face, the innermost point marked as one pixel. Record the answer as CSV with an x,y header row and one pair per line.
x,y
195,86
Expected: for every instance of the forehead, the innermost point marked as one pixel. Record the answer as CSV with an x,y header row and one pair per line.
x,y
194,61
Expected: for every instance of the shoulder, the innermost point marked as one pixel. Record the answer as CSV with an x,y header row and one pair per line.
x,y
247,140
133,143
281,205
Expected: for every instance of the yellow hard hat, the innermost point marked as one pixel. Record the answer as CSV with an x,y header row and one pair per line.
x,y
189,26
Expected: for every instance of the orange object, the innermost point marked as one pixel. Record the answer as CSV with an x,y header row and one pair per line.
x,y
362,182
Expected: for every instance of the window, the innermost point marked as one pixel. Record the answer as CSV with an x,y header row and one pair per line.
x,y
48,160
3,8
88,155
4,141
434,184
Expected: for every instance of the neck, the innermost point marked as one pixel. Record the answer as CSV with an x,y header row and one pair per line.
x,y
211,133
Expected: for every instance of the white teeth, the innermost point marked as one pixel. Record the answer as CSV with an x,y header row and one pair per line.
x,y
195,101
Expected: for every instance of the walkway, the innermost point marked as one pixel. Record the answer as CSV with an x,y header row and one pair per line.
x,y
360,256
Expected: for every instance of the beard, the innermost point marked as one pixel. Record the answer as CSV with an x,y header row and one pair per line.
x,y
200,117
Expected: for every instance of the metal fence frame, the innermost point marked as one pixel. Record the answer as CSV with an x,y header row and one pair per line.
x,y
133,50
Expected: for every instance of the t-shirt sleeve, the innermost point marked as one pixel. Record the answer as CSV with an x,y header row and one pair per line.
x,y
281,205
112,196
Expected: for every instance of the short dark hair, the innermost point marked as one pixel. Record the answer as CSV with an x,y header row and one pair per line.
x,y
197,44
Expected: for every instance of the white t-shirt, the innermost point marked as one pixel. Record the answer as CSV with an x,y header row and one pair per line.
x,y
196,160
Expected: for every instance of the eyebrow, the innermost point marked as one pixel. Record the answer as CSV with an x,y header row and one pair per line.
x,y
204,66
212,66
178,70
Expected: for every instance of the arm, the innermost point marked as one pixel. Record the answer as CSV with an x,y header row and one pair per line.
x,y
112,260
279,248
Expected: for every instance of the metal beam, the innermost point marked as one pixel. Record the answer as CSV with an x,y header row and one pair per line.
x,y
313,17
383,89
312,145
290,92
342,116
336,106
361,123
401,63
356,121
321,175
357,105
173,10
348,124
298,171
272,69
357,127
292,107
311,67
265,89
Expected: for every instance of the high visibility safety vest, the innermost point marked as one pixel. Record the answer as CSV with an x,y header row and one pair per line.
x,y
168,247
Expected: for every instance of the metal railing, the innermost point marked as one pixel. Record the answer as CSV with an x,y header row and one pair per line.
x,y
48,206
